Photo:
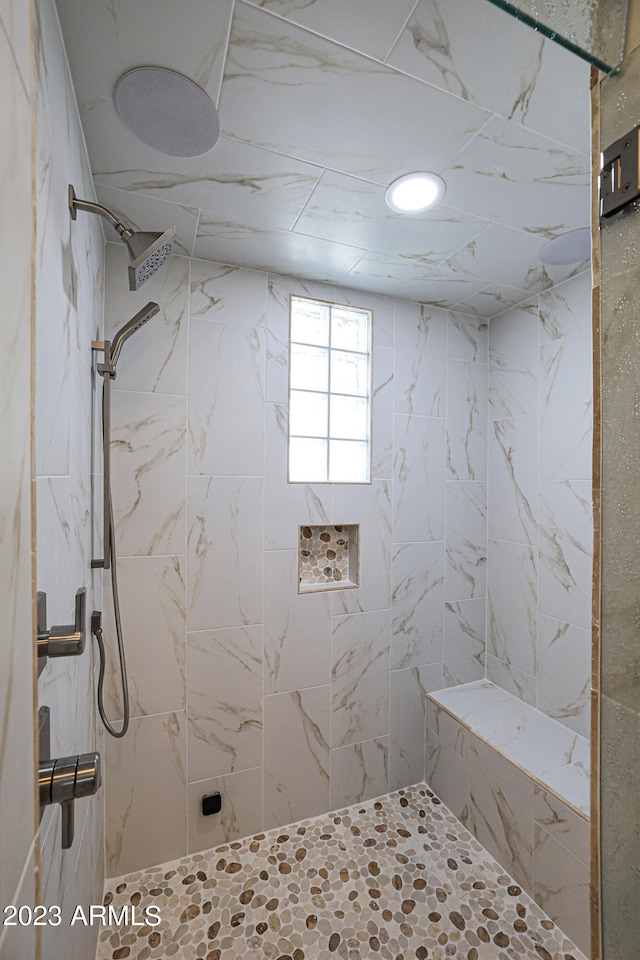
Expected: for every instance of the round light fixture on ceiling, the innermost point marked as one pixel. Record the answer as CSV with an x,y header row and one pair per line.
x,y
167,111
574,246
414,192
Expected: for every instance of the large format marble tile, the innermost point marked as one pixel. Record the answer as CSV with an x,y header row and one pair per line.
x,y
447,774
267,61
241,813
148,441
417,574
227,294
464,640
501,810
483,55
287,505
369,506
382,413
296,755
226,398
566,408
370,27
407,715
359,677
467,338
466,420
512,595
566,546
154,360
572,781
419,479
526,193
236,181
562,823
494,298
513,362
420,360
513,480
224,701
561,887
224,556
351,210
465,574
297,628
152,592
359,771
563,682
142,827
566,308
515,681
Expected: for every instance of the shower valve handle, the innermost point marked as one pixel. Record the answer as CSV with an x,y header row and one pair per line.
x,y
63,641
67,779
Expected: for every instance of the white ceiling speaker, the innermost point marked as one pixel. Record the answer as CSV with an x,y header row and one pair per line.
x,y
167,111
574,246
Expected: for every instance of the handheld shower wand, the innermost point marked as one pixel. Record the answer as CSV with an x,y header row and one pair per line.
x,y
107,369
147,251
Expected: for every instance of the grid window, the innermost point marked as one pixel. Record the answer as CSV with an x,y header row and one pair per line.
x,y
329,393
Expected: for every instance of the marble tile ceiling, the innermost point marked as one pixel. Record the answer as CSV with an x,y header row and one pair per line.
x,y
322,103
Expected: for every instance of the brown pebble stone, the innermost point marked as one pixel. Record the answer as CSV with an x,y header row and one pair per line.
x,y
520,926
311,922
419,884
264,875
261,928
483,935
325,537
271,904
285,867
457,919
396,880
472,954
374,868
334,940
422,953
374,943
434,917
443,939
490,914
214,955
514,891
547,924
213,930
109,897
201,875
407,906
501,939
452,864
246,897
540,950
121,953
441,894
521,910
135,899
237,919
190,913
298,954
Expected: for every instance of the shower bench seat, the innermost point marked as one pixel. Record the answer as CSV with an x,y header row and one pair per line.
x,y
519,781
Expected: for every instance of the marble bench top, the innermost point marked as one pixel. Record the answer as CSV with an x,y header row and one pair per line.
x,y
544,748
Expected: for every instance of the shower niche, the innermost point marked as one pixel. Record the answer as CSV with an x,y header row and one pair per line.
x,y
328,557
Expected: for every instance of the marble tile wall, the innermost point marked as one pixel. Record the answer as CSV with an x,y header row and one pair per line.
x,y
68,316
288,704
17,797
540,529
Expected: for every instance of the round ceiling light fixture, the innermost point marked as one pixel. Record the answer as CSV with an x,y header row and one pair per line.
x,y
414,192
574,246
167,111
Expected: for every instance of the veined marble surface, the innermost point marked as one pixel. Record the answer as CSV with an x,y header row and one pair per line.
x,y
508,111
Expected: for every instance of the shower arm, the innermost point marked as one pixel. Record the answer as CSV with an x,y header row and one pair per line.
x,y
75,205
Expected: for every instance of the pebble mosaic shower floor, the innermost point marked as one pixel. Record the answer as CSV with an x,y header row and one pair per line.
x,y
398,877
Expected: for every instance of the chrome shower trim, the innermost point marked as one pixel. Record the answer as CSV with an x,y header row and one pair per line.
x,y
75,204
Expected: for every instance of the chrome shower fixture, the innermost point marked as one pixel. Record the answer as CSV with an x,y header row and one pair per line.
x,y
129,328
147,251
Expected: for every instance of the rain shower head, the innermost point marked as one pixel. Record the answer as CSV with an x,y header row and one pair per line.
x,y
129,328
147,251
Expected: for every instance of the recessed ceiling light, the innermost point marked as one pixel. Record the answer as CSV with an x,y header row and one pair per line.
x,y
414,192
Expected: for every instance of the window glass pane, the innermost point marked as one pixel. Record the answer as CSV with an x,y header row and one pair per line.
x,y
309,368
308,414
349,418
349,329
348,461
307,460
349,373
310,321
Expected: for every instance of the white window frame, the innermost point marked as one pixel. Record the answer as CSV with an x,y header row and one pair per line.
x,y
368,354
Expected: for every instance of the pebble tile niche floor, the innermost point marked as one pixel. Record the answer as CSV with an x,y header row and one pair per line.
x,y
398,877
